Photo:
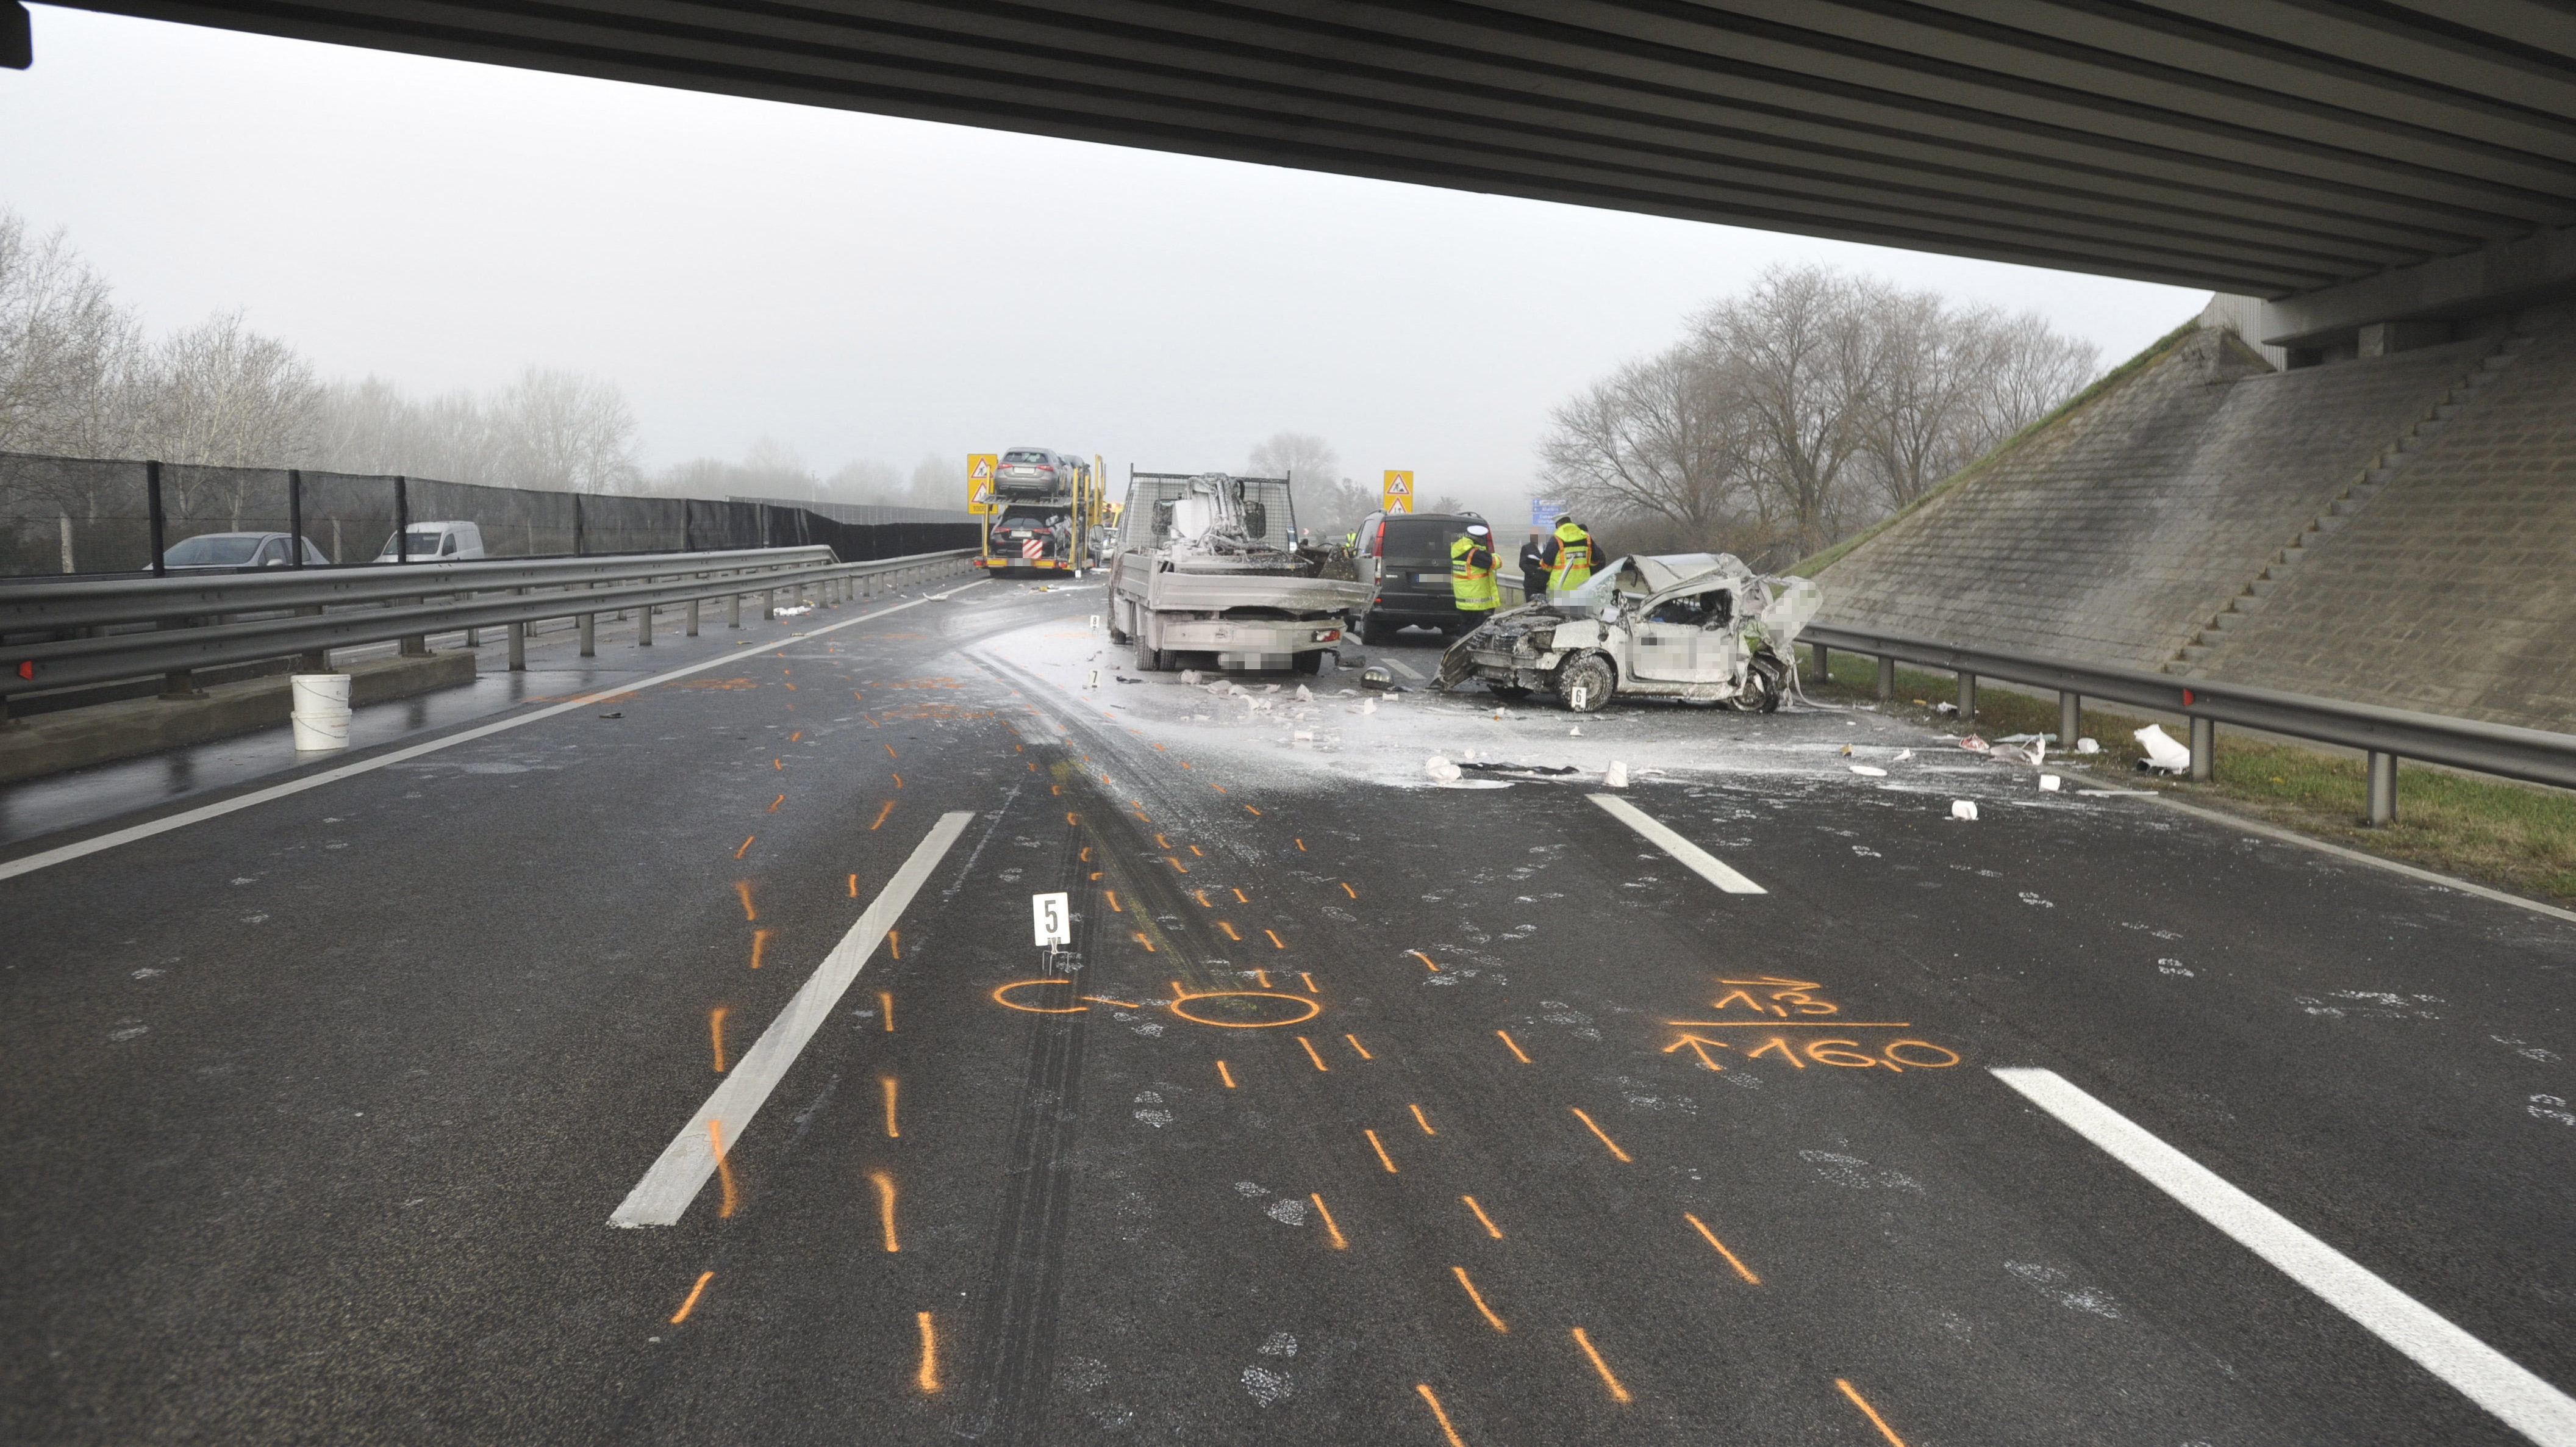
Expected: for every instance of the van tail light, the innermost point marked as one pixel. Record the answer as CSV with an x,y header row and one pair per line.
x,y
1377,539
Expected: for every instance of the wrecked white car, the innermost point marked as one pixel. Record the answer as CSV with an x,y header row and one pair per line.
x,y
1696,626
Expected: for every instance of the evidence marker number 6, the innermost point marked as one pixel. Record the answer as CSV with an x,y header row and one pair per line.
x,y
1053,915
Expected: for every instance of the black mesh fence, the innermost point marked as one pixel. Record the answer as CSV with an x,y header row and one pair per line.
x,y
64,515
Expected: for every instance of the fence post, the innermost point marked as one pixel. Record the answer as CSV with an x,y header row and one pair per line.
x,y
2070,720
159,526
2204,749
294,518
1886,678
402,519
2383,789
1967,697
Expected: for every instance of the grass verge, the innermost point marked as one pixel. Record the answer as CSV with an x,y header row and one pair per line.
x,y
2494,831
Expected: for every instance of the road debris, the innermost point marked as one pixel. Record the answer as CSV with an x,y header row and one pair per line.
x,y
1963,808
2163,754
1868,772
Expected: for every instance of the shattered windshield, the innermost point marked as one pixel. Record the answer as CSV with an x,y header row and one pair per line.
x,y
1592,596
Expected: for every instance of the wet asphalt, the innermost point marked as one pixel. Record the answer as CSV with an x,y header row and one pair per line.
x,y
1349,1115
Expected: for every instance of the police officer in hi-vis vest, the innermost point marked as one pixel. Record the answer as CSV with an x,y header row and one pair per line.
x,y
1471,572
1569,556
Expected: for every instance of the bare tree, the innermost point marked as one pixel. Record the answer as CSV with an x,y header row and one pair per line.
x,y
1807,360
565,431
865,480
1664,438
221,395
937,482
1958,384
1296,456
67,350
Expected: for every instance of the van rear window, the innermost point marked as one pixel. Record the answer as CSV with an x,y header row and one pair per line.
x,y
1421,540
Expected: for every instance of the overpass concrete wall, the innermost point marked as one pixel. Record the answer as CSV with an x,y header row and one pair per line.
x,y
2397,529
2453,589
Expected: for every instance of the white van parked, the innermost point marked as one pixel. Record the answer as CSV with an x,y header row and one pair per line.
x,y
435,543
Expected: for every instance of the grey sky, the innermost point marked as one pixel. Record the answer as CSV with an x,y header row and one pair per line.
x,y
858,286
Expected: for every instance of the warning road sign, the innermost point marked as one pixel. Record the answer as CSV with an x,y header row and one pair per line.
x,y
1397,495
979,482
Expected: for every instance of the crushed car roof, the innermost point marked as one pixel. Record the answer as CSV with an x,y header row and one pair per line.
x,y
1661,572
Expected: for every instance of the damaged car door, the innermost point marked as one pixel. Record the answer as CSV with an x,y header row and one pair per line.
x,y
1688,637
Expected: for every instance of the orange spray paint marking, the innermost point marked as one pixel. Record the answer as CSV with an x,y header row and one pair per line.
x,y
1618,1393
773,808
1334,1231
889,748
854,886
1477,1297
1276,942
724,1168
894,942
791,738
1263,976
894,1132
1247,808
1740,1268
1301,846
1870,1412
929,1374
1422,1120
1310,1051
898,781
759,942
1310,981
746,844
1443,1417
1379,1146
1242,898
1174,861
1513,1045
1354,1039
885,998
1201,896
1162,843
1487,1221
1072,819
1229,931
742,887
1225,1075
1148,944
1596,1130
1425,959
1197,851
695,1292
715,1027
882,813
778,764
1113,901
885,1207
1346,889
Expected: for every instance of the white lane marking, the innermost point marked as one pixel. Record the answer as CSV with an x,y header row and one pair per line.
x,y
46,859
675,1179
1701,862
2484,1375
1400,666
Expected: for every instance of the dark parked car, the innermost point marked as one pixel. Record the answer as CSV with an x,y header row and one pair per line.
x,y
1404,558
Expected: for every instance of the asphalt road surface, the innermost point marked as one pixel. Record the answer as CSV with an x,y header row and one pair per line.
x,y
680,1067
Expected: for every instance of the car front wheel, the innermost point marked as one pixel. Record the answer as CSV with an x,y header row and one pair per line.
x,y
1586,683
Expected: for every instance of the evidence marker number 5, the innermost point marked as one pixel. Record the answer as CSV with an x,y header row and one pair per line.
x,y
1054,918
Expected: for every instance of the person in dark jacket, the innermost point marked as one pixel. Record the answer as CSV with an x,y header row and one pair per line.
x,y
1534,570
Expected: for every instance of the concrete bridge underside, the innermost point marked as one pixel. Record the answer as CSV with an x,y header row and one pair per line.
x,y
2342,164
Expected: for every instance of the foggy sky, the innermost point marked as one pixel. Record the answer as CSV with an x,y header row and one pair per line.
x,y
858,286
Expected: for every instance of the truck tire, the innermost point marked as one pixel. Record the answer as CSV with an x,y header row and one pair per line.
x,y
1148,660
1592,676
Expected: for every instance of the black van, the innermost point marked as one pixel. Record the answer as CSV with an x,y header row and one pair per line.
x,y
1404,557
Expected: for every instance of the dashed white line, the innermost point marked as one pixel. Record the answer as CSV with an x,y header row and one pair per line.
x,y
1700,861
2484,1375
46,859
676,1178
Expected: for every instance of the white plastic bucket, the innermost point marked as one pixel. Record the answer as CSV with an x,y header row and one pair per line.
x,y
322,711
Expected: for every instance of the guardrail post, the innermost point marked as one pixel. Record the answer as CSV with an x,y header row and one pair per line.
x,y
589,635
1967,697
518,648
769,606
2204,749
2383,789
1824,663
2070,719
733,610
1886,679
644,625
414,645
693,617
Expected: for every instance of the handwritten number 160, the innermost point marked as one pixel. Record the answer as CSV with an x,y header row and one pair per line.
x,y
1847,1054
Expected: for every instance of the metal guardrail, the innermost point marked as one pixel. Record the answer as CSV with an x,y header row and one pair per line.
x,y
2385,734
377,604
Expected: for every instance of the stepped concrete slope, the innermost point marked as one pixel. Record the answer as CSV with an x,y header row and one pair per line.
x,y
2154,525
2454,590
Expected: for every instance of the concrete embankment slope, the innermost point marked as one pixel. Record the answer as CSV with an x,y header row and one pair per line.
x,y
2359,529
